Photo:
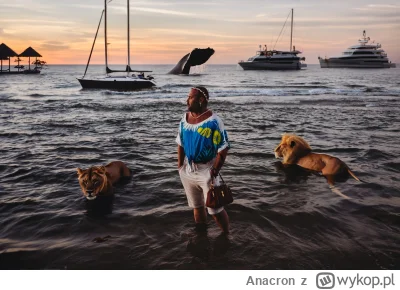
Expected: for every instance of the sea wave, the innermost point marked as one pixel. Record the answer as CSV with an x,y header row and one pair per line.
x,y
49,128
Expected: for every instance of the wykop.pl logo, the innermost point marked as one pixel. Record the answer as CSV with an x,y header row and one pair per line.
x,y
325,280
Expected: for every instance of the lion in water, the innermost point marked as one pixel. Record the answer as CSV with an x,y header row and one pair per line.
x,y
295,150
99,180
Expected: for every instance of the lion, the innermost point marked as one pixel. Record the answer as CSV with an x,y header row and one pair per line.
x,y
295,150
99,180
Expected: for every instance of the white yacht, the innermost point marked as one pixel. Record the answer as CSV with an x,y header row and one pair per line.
x,y
362,55
275,59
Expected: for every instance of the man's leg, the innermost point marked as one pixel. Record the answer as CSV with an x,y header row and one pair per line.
x,y
222,220
200,217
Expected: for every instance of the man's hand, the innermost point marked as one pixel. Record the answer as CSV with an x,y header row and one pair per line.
x,y
213,172
219,161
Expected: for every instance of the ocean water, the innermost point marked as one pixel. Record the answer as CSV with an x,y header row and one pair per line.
x,y
280,219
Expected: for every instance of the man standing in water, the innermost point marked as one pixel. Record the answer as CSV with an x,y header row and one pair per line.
x,y
202,148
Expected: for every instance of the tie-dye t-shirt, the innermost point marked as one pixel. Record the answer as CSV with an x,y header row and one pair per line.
x,y
204,140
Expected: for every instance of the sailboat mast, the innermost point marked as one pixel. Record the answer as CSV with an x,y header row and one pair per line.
x,y
291,32
129,55
105,32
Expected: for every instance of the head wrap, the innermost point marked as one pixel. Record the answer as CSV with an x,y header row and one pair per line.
x,y
203,93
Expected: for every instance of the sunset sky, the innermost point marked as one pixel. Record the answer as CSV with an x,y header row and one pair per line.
x,y
162,31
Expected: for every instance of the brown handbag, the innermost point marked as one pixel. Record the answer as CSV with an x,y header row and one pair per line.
x,y
219,196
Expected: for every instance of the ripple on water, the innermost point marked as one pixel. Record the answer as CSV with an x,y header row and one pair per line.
x,y
289,217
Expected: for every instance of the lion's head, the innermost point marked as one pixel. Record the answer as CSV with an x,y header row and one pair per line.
x,y
291,148
92,181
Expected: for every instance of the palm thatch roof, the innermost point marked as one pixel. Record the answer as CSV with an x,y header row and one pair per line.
x,y
30,52
6,52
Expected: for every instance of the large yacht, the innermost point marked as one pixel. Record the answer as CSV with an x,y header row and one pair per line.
x,y
275,59
362,55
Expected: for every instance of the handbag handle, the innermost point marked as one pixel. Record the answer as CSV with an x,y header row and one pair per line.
x,y
223,181
221,177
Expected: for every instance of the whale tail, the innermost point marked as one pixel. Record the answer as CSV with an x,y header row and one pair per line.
x,y
198,56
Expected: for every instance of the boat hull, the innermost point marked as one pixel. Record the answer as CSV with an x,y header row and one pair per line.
x,y
290,65
354,63
115,84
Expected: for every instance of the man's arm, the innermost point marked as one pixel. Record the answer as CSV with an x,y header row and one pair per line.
x,y
181,156
219,161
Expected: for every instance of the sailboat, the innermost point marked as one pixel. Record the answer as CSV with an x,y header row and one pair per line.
x,y
133,80
275,59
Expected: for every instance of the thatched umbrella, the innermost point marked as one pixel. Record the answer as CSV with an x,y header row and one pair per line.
x,y
30,52
6,53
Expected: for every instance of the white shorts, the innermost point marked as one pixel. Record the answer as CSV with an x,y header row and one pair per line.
x,y
196,180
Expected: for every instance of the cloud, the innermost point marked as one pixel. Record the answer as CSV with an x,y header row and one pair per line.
x,y
36,8
36,21
163,11
147,3
122,9
378,7
85,6
11,5
384,6
54,46
178,3
198,33
7,34
342,22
